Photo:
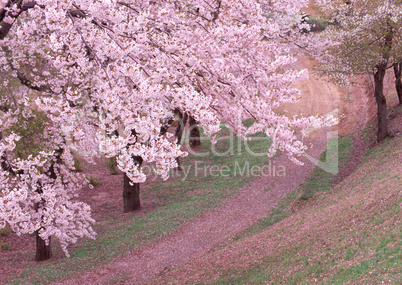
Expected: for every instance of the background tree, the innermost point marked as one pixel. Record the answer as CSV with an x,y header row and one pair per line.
x,y
398,79
365,38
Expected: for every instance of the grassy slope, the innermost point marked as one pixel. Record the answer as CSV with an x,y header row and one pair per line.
x,y
319,181
177,201
351,233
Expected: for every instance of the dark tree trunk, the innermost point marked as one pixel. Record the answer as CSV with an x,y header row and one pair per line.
x,y
180,131
398,81
381,102
43,251
131,193
166,126
379,85
194,139
181,126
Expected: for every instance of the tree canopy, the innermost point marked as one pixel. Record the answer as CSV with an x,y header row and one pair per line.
x,y
112,73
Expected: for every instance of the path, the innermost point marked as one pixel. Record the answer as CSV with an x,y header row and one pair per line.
x,y
234,216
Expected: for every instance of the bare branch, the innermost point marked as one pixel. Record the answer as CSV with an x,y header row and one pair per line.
x,y
128,6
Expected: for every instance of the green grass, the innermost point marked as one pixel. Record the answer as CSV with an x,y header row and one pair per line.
x,y
207,172
319,181
5,231
178,200
4,246
92,180
77,165
384,266
316,24
111,163
362,245
381,266
280,212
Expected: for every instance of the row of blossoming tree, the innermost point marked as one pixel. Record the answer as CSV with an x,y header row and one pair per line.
x,y
112,75
365,37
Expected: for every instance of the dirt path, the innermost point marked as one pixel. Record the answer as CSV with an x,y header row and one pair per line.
x,y
253,203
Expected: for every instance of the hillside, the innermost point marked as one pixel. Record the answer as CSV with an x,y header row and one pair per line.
x,y
350,234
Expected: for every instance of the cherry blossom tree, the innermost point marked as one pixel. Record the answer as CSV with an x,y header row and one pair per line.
x,y
38,184
365,38
133,63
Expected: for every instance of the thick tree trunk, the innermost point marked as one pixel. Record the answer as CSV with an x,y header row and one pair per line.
x,y
194,139
43,251
181,126
180,131
381,102
398,81
131,195
379,85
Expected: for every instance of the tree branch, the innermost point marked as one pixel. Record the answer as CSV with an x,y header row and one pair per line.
x,y
8,17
